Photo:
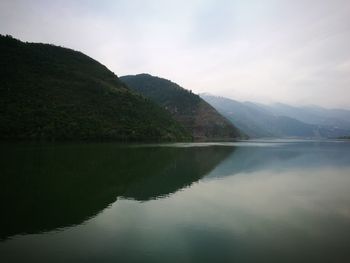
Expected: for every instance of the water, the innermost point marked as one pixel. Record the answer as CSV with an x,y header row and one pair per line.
x,y
263,201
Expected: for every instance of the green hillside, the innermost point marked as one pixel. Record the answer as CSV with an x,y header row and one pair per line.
x,y
49,92
196,115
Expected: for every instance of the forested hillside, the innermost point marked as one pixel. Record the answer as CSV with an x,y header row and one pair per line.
x,y
196,115
49,92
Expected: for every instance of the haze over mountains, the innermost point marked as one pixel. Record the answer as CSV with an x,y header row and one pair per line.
x,y
50,93
281,120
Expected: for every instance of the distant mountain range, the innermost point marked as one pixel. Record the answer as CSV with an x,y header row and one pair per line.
x,y
200,119
281,120
54,93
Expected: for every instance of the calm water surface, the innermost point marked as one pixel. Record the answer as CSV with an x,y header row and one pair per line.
x,y
276,201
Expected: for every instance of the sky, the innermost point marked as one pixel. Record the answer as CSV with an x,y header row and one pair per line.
x,y
289,51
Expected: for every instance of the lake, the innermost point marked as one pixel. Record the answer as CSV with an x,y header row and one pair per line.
x,y
254,201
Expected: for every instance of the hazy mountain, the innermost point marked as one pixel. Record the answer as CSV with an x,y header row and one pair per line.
x,y
279,120
50,92
338,118
196,115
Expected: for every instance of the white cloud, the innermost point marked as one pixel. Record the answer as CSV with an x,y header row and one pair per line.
x,y
288,51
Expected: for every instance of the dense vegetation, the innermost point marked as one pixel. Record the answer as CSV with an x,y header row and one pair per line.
x,y
50,92
197,116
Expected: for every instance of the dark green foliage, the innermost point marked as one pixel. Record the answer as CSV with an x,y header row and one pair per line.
x,y
197,116
164,92
50,92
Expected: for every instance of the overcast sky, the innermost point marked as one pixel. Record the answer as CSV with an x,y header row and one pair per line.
x,y
293,51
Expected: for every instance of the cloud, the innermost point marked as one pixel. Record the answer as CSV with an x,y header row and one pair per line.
x,y
288,51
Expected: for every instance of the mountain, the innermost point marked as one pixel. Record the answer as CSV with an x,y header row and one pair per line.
x,y
196,115
49,92
259,120
338,118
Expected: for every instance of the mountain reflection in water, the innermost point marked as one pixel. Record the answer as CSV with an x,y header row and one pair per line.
x,y
53,186
264,201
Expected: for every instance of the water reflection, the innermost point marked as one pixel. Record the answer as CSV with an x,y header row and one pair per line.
x,y
44,187
284,157
263,203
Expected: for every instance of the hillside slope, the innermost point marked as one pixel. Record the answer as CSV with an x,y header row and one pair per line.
x,y
259,120
50,92
196,115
